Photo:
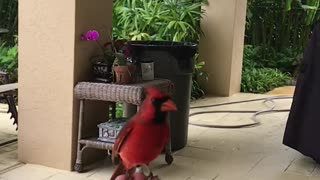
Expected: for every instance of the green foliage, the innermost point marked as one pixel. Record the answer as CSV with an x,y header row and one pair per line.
x,y
119,110
120,60
261,80
9,60
196,91
277,32
168,20
8,41
157,20
280,23
9,19
285,60
265,69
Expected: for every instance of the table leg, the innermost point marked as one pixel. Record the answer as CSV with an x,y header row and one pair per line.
x,y
78,165
12,108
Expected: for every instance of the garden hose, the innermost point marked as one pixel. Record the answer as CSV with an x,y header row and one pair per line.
x,y
266,101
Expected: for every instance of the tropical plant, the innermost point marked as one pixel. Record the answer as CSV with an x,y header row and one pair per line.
x,y
261,80
9,60
196,90
277,32
281,23
158,20
285,60
169,20
9,19
114,51
265,68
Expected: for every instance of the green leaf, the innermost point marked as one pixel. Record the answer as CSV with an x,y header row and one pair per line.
x,y
288,5
307,7
6,60
182,25
12,65
171,24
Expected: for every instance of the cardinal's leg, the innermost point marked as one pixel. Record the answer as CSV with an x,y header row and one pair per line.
x,y
130,173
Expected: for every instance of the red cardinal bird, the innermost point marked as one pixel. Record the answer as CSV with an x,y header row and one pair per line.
x,y
144,137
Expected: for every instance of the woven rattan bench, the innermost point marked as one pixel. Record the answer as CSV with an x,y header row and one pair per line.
x,y
131,94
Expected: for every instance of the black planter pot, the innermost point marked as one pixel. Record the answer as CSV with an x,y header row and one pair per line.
x,y
102,72
173,61
101,69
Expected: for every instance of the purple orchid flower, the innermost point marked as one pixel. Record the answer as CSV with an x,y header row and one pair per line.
x,y
92,35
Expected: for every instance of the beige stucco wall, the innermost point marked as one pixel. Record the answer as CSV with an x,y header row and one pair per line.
x,y
51,61
222,45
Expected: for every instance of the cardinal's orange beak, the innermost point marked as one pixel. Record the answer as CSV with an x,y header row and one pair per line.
x,y
168,106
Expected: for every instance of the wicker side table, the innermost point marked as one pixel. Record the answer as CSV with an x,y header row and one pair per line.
x,y
132,94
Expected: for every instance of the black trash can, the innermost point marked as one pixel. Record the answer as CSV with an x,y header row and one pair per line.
x,y
173,61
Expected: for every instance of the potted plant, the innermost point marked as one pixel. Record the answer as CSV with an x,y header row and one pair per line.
x,y
101,63
112,64
124,71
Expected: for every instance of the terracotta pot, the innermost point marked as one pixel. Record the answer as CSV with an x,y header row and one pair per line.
x,y
124,74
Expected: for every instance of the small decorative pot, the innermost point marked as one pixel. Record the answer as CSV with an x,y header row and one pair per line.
x,y
109,131
147,70
124,74
102,71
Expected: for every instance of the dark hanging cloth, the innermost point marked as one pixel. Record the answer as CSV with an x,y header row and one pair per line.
x,y
302,132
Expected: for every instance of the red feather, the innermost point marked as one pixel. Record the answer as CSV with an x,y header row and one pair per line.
x,y
141,141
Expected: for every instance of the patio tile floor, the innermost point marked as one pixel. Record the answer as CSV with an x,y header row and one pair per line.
x,y
8,153
254,153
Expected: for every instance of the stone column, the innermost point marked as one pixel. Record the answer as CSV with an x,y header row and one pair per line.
x,y
222,45
52,59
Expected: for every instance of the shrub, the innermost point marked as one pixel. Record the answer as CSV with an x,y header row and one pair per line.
x,y
196,90
158,20
285,60
281,24
9,61
9,19
261,80
265,69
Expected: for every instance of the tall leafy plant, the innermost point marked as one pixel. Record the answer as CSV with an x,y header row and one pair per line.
x,y
9,60
197,91
158,20
9,19
285,60
260,73
281,23
262,80
277,32
170,20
